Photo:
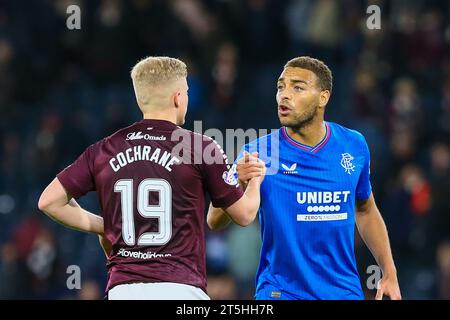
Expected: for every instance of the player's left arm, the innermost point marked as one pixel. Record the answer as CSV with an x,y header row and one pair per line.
x,y
56,203
373,231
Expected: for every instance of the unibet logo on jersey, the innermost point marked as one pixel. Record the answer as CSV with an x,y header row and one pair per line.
x,y
327,201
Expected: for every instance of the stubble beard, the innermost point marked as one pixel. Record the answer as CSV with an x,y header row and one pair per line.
x,y
301,121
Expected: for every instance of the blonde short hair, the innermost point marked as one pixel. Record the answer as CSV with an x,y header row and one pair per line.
x,y
153,72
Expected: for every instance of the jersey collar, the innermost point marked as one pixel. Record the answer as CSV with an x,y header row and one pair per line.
x,y
302,146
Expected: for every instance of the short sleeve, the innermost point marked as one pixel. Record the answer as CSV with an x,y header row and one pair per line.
x,y
78,178
221,182
364,188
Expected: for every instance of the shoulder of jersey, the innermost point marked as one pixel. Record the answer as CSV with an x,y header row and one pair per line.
x,y
126,130
346,133
119,132
206,139
263,140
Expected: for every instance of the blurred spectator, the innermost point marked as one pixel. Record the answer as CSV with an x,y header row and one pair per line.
x,y
439,223
369,102
324,25
222,286
442,118
443,263
11,273
224,74
244,259
403,148
90,290
7,76
405,106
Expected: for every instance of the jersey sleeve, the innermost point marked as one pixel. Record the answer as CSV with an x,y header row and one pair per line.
x,y
221,182
78,178
364,188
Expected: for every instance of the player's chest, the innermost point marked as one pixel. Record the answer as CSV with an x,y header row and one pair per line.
x,y
317,172
314,187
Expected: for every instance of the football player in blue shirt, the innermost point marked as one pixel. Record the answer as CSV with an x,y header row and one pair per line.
x,y
316,188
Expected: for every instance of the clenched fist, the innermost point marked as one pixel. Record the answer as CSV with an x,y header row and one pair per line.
x,y
249,167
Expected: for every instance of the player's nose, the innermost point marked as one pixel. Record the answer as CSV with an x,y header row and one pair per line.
x,y
286,102
285,96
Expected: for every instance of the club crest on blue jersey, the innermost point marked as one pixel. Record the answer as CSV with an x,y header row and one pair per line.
x,y
346,163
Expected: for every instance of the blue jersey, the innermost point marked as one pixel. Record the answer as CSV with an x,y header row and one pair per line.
x,y
307,214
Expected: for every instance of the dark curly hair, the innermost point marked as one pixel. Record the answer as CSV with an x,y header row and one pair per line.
x,y
319,68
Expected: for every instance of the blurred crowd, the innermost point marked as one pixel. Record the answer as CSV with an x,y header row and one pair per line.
x,y
61,90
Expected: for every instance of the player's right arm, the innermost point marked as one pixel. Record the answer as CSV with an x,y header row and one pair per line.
x,y
242,212
56,203
251,173
58,199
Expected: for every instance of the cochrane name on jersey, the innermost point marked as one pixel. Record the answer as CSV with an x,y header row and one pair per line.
x,y
143,153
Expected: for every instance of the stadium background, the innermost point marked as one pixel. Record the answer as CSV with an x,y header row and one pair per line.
x,y
62,90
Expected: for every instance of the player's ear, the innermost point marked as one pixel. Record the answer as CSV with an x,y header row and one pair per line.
x,y
176,99
324,97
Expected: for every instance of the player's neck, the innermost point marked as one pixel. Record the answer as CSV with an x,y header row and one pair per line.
x,y
309,135
160,116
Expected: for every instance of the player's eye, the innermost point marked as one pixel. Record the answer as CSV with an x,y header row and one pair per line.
x,y
280,86
298,88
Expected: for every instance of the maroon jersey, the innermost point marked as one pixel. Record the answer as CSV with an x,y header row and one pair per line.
x,y
151,179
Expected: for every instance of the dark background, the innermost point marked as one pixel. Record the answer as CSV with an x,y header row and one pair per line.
x,y
61,90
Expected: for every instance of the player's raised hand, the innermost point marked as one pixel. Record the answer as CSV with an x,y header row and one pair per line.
x,y
250,166
388,286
